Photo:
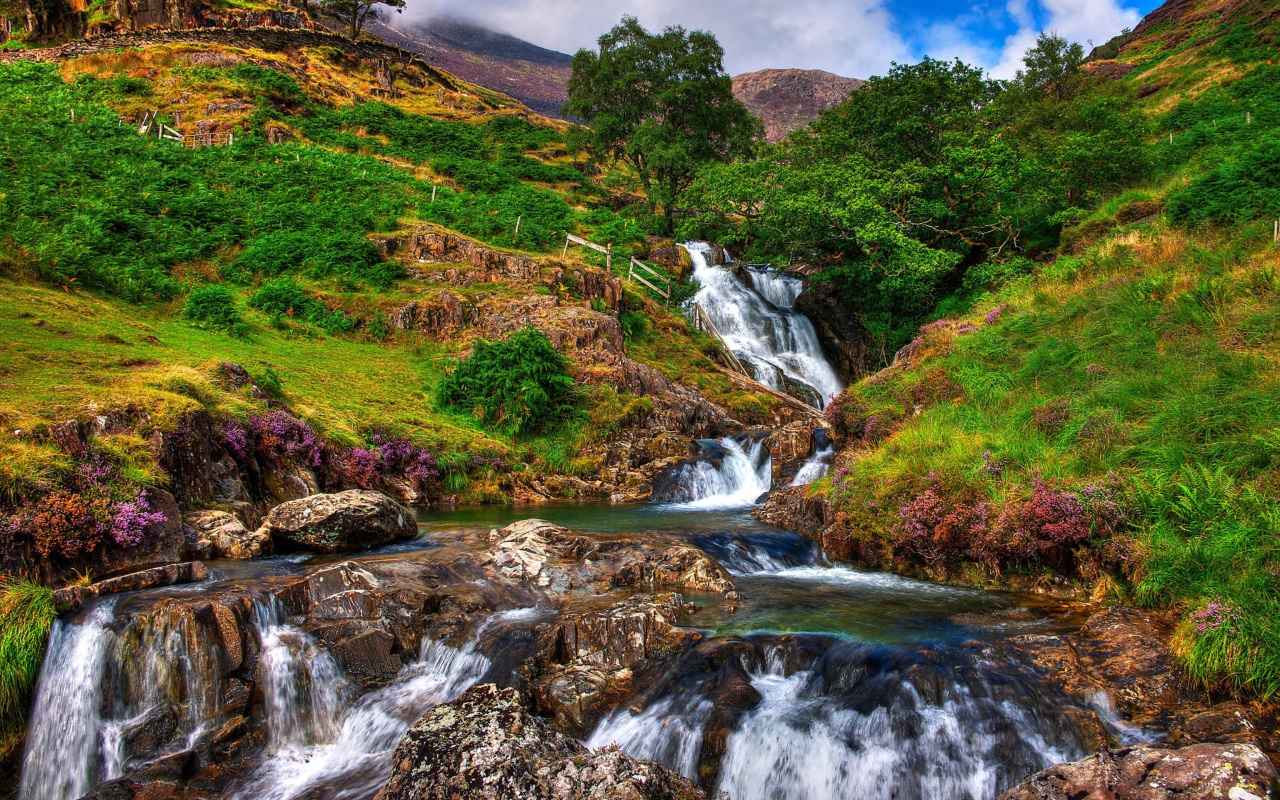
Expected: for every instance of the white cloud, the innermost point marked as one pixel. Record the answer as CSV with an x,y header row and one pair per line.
x,y
857,38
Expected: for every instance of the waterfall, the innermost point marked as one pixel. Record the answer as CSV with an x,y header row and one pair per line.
x,y
957,737
105,681
302,685
64,753
761,328
816,466
668,732
349,755
727,475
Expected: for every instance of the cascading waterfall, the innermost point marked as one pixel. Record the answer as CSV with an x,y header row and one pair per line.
x,y
728,475
302,685
348,753
668,732
759,325
824,452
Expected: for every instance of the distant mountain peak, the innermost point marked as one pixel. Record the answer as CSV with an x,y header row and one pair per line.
x,y
787,99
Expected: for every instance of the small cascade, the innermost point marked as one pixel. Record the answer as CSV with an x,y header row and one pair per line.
x,y
753,553
728,474
347,754
302,685
668,732
759,325
819,463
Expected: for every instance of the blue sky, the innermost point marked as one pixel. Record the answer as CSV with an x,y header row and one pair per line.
x,y
857,38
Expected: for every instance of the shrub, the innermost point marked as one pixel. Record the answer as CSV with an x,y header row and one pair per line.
x,y
97,505
391,456
214,307
284,298
26,615
518,385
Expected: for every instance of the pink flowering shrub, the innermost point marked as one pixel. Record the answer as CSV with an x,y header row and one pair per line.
x,y
1214,616
276,436
96,506
993,316
390,456
1052,416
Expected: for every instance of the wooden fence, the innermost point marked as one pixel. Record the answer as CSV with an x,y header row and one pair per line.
x,y
703,323
657,277
193,140
570,239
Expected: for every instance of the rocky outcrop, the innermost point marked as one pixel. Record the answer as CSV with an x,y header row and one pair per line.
x,y
486,745
340,523
789,447
588,662
427,245
792,508
1198,772
218,534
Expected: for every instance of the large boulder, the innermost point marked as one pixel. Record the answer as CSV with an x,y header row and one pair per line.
x,y
486,745
340,523
1198,772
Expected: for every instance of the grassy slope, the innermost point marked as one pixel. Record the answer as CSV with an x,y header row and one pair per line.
x,y
95,206
1140,367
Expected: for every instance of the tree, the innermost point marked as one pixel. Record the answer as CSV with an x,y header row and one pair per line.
x,y
357,12
1052,66
661,103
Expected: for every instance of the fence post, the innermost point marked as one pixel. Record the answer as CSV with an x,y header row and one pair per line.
x,y
1248,117
565,252
518,218
608,257
1275,232
433,194
1170,137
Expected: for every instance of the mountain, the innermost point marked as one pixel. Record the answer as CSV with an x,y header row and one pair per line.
x,y
533,75
787,99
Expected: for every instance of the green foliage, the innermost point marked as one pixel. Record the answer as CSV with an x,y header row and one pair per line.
x,y
320,253
1242,188
634,325
26,615
1052,66
662,103
518,385
215,307
285,298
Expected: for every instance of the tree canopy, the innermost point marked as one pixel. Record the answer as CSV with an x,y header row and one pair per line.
x,y
661,103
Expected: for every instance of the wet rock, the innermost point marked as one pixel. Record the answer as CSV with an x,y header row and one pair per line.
x,y
300,596
72,597
338,523
790,507
587,662
542,554
1224,723
789,446
224,536
1198,772
486,745
288,481
367,654
1124,653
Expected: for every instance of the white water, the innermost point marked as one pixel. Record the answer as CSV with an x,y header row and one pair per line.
x,y
348,751
760,327
801,746
668,732
743,475
816,467
63,755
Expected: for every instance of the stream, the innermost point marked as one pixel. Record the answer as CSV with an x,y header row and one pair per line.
x,y
848,683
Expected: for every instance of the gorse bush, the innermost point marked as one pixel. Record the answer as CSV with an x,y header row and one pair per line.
x,y
518,385
26,616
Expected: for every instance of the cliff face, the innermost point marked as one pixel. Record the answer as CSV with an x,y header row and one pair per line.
x,y
52,20
787,99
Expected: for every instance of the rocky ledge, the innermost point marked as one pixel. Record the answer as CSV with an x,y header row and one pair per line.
x,y
487,745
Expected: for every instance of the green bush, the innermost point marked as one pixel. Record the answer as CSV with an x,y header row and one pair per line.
x,y
284,298
26,615
215,307
518,385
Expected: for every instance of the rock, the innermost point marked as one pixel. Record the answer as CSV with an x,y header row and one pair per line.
x,y
790,445
486,745
791,508
367,654
72,597
69,436
300,596
338,523
1198,772
226,536
683,566
428,245
588,659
